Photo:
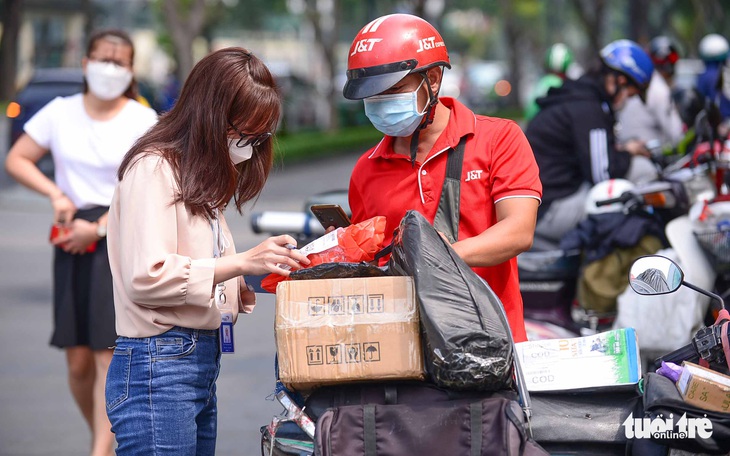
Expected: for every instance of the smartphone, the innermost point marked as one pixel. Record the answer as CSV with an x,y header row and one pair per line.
x,y
330,215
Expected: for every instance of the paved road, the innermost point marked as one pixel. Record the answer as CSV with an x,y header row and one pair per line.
x,y
37,413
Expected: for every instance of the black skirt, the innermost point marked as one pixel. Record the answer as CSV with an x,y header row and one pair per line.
x,y
83,299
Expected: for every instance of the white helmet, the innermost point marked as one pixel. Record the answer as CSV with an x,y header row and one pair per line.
x,y
608,189
713,48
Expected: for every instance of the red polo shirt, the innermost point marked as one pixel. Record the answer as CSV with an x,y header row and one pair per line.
x,y
498,164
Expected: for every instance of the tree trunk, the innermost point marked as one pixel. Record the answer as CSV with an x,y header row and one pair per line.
x,y
11,16
326,41
183,31
638,21
512,35
591,15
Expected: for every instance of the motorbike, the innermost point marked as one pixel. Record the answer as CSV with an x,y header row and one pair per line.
x,y
601,421
549,274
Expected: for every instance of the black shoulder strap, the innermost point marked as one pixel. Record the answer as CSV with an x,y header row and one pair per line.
x,y
447,214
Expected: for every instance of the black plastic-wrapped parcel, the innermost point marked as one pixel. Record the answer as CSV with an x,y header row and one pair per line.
x,y
466,336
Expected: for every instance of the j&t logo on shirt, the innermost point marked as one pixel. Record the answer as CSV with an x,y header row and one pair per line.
x,y
473,175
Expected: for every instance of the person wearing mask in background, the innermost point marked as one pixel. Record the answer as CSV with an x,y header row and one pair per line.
x,y
177,277
714,50
395,66
87,135
558,59
656,122
573,137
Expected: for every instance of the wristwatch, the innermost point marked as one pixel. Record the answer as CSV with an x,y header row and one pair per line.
x,y
100,230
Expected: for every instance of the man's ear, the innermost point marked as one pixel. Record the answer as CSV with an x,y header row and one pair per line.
x,y
622,80
611,82
435,75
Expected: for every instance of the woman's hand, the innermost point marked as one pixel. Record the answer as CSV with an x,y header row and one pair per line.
x,y
79,237
63,209
273,255
248,297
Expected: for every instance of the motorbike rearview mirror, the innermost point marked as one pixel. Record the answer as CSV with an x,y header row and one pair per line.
x,y
657,275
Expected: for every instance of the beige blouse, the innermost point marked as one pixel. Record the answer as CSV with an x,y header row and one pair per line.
x,y
161,256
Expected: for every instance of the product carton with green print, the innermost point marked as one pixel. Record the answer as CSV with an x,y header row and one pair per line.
x,y
607,359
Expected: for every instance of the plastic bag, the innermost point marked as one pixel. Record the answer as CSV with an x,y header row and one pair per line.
x,y
339,271
352,244
467,340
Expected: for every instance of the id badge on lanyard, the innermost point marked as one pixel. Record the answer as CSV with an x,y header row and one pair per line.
x,y
225,335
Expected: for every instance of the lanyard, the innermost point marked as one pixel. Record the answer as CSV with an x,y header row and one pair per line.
x,y
219,247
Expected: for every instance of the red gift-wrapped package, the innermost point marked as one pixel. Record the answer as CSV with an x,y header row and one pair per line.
x,y
353,244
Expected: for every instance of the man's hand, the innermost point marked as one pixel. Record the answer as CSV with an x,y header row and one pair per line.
x,y
636,147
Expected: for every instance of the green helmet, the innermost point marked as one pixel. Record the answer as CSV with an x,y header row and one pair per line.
x,y
558,58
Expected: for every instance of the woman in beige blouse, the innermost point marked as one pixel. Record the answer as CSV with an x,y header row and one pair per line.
x,y
177,276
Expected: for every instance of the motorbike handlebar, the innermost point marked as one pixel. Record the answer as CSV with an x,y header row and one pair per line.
x,y
626,196
686,353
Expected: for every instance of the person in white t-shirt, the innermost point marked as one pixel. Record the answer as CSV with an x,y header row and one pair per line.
x,y
88,135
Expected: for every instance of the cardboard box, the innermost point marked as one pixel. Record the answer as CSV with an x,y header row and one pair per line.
x,y
704,388
341,330
607,359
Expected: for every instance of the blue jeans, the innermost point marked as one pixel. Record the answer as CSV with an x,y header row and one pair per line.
x,y
160,393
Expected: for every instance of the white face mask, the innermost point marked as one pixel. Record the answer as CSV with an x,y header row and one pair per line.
x,y
107,81
239,154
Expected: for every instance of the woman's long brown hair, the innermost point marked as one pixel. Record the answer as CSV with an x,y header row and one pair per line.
x,y
229,85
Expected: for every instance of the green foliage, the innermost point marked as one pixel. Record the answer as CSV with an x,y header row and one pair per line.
x,y
301,146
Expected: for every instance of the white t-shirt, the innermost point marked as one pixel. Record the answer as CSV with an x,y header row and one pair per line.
x,y
86,152
658,118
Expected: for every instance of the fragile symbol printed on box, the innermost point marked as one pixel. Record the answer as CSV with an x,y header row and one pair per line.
x,y
350,304
350,352
343,353
334,354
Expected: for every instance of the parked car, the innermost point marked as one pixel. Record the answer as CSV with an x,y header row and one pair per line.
x,y
45,85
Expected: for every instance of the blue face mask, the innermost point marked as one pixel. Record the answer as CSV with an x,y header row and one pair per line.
x,y
395,114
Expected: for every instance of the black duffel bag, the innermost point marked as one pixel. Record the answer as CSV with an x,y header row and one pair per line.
x,y
662,401
417,418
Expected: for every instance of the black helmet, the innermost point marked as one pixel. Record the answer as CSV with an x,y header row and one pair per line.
x,y
664,54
